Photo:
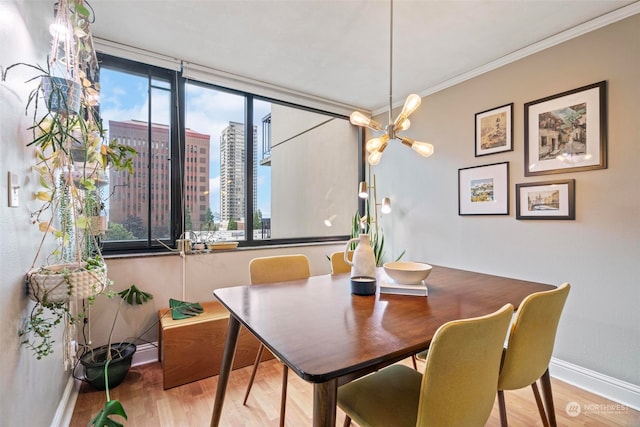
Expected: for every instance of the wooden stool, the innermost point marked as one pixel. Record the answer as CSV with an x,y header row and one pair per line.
x,y
191,349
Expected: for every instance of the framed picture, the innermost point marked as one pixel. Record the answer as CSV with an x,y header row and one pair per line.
x,y
566,132
494,130
546,200
484,190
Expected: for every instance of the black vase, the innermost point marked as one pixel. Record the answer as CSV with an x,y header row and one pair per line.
x,y
94,361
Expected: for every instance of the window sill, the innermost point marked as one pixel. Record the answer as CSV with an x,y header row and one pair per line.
x,y
209,252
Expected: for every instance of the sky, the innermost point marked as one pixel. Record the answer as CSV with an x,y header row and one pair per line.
x,y
125,97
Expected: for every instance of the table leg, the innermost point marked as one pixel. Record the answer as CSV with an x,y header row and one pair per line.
x,y
545,381
233,331
325,397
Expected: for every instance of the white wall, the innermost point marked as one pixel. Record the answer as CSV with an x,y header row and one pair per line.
x,y
598,253
314,165
30,389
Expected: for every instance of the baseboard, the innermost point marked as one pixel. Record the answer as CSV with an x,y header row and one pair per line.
x,y
608,387
146,353
62,417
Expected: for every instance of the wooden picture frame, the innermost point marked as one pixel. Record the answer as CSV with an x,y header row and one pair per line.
x,y
494,130
546,200
566,132
484,190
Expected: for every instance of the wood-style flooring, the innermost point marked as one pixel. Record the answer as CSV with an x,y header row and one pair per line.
x,y
190,405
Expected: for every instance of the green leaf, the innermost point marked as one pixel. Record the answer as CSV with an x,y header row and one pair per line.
x,y
134,296
112,407
82,10
88,184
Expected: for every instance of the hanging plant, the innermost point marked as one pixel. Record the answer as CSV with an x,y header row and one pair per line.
x,y
72,162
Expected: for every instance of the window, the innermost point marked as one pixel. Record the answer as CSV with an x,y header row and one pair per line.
x,y
248,168
136,105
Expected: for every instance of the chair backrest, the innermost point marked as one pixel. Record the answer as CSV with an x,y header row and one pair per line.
x,y
461,372
279,268
337,262
532,338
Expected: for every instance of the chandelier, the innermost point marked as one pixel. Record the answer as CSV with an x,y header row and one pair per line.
x,y
377,145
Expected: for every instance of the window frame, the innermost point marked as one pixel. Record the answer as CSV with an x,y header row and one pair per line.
x,y
177,150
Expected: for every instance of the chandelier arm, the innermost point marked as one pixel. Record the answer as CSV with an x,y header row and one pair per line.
x,y
407,141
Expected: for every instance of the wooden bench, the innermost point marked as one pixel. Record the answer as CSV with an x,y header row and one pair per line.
x,y
191,349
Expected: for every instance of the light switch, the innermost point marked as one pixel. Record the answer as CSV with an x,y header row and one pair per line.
x,y
14,190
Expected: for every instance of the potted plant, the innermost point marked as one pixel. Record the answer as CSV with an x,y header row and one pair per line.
x,y
106,366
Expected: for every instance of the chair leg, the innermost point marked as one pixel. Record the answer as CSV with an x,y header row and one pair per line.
x,y
283,398
503,409
347,421
413,359
543,415
545,381
253,373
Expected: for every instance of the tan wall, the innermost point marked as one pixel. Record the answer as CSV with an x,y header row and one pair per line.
x,y
598,252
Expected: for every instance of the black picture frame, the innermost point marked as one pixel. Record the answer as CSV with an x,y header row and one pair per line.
x,y
546,200
484,190
494,130
566,132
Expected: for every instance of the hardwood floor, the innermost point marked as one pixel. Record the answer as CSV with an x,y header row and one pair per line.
x,y
190,405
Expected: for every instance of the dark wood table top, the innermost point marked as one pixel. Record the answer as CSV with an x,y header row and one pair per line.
x,y
322,332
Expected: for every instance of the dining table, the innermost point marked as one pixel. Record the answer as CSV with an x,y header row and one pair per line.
x,y
328,336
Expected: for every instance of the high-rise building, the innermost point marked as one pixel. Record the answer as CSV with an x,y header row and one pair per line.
x,y
129,202
232,171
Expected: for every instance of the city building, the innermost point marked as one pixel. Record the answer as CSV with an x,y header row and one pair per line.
x,y
232,175
129,203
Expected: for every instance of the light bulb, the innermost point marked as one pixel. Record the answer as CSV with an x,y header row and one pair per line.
x,y
374,144
423,148
359,119
385,208
404,124
374,158
362,190
411,104
58,29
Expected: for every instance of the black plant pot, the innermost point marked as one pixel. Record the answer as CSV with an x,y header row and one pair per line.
x,y
94,361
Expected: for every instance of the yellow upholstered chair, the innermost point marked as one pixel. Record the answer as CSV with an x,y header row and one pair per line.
x,y
269,270
526,358
337,262
458,387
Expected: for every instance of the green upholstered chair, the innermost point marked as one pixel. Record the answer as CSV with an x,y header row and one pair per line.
x,y
273,269
529,348
458,386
